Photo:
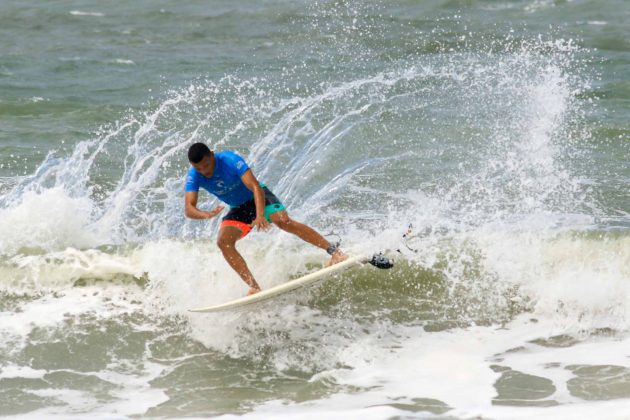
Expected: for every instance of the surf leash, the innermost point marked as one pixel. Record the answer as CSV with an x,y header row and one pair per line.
x,y
334,245
406,236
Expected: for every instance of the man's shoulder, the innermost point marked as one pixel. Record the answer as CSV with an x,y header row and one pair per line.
x,y
232,160
192,175
192,180
192,172
227,155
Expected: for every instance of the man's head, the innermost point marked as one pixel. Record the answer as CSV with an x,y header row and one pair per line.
x,y
197,151
202,159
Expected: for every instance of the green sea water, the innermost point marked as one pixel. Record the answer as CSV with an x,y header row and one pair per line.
x,y
498,130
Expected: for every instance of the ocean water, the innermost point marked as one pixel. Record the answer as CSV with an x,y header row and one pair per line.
x,y
493,135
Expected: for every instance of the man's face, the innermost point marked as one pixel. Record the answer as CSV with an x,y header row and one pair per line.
x,y
205,166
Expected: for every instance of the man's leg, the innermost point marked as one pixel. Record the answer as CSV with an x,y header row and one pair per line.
x,y
228,235
306,233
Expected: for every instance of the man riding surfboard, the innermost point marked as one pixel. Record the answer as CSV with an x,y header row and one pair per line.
x,y
252,205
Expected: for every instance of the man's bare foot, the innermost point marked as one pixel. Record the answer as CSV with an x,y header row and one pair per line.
x,y
253,291
337,257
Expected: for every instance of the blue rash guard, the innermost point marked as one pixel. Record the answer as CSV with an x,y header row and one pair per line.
x,y
225,182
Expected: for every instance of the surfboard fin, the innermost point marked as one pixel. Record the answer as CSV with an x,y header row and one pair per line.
x,y
381,261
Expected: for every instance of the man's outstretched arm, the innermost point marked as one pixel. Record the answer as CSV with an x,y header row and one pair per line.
x,y
191,210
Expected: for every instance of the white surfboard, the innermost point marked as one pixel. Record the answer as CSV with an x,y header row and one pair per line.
x,y
272,292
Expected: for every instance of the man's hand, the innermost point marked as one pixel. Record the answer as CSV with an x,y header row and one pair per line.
x,y
253,185
191,210
214,211
261,224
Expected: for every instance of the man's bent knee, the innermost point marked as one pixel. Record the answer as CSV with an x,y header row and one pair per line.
x,y
225,244
281,219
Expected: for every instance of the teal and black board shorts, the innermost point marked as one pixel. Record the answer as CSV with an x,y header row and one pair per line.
x,y
243,215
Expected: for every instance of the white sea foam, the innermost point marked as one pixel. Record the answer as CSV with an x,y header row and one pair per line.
x,y
81,13
49,220
124,61
454,367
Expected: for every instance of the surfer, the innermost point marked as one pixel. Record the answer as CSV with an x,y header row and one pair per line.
x,y
252,205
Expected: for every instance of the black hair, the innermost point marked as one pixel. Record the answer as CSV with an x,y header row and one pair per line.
x,y
197,151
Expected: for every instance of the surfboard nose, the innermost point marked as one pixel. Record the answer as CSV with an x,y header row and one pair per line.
x,y
381,261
